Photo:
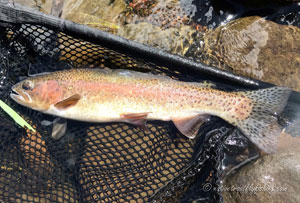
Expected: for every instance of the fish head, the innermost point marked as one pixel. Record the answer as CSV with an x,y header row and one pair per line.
x,y
38,93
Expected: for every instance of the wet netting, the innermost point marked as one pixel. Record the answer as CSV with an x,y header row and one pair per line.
x,y
97,162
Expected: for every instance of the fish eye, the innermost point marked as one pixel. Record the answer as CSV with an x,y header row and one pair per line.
x,y
27,85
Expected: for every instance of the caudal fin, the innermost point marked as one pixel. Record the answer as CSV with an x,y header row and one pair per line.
x,y
262,127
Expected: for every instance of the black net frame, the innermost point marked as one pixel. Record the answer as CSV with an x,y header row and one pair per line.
x,y
106,162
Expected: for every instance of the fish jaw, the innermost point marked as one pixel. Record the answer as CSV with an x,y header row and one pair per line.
x,y
24,99
20,97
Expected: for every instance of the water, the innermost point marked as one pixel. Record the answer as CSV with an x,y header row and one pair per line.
x,y
199,18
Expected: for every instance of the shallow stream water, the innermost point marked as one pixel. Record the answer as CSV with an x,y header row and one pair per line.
x,y
260,40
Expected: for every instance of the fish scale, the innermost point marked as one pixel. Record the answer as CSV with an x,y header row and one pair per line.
x,y
104,95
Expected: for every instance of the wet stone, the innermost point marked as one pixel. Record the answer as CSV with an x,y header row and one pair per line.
x,y
173,40
41,5
256,48
162,13
271,178
101,14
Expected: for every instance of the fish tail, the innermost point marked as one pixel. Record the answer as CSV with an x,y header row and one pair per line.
x,y
261,126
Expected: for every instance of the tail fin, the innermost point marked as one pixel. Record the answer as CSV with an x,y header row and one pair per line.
x,y
262,127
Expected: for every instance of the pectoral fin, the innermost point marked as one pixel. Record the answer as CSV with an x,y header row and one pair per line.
x,y
71,101
59,128
138,119
189,126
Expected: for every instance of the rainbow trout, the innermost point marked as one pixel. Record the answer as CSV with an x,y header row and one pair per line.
x,y
95,95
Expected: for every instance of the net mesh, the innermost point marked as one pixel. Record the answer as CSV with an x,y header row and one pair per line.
x,y
96,162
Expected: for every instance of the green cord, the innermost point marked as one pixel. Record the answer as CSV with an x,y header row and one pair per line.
x,y
18,119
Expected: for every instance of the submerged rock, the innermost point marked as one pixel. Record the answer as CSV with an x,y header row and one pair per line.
x,y
162,13
173,40
101,14
41,5
256,48
271,178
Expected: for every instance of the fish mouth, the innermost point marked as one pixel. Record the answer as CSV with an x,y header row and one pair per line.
x,y
16,96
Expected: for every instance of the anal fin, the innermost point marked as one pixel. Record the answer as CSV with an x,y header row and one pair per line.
x,y
189,126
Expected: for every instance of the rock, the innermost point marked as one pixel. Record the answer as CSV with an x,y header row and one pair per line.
x,y
256,48
41,5
173,40
101,14
271,178
163,13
